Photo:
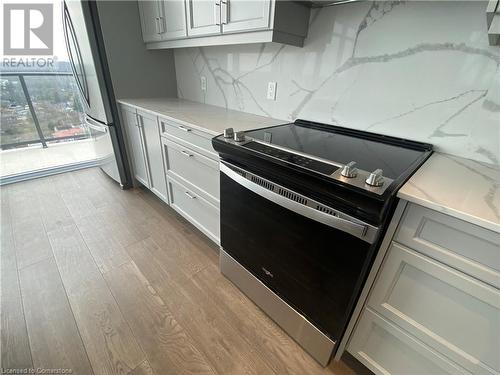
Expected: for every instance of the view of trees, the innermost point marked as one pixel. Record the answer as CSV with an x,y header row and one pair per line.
x,y
56,102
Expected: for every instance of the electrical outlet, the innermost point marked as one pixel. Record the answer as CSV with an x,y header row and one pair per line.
x,y
271,90
203,81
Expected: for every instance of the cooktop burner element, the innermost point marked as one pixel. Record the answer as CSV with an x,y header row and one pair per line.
x,y
340,146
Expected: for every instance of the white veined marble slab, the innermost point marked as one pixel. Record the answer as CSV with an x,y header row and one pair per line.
x,y
463,188
421,70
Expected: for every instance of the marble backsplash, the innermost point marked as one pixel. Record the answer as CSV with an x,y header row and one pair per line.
x,y
420,70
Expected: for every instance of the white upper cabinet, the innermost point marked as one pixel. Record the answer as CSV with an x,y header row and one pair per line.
x,y
198,23
162,20
172,19
150,20
203,17
244,15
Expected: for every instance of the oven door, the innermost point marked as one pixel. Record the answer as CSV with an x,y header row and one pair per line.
x,y
312,256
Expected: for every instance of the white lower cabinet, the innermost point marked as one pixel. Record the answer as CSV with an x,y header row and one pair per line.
x,y
386,349
195,208
153,154
450,311
191,167
194,139
424,310
145,150
135,145
177,163
461,245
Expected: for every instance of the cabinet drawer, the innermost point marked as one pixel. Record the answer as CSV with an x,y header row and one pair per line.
x,y
451,312
196,139
195,208
386,349
191,166
464,246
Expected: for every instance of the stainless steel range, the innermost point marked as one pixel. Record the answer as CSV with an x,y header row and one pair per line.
x,y
304,207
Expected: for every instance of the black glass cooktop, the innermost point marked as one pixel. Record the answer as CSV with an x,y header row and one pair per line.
x,y
370,152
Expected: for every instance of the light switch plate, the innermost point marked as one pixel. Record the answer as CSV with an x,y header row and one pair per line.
x,y
271,90
203,82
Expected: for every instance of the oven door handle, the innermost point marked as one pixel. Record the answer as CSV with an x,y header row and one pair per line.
x,y
362,230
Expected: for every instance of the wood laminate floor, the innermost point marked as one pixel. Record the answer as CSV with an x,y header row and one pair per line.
x,y
103,281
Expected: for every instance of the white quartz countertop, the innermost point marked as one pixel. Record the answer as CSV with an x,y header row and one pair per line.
x,y
204,117
463,188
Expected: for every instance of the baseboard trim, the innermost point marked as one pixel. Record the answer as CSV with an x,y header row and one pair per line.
x,y
48,172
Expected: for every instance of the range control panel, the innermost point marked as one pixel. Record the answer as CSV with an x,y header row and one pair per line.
x,y
303,161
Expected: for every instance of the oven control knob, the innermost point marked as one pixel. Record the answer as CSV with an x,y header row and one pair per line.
x,y
375,178
239,136
349,170
228,133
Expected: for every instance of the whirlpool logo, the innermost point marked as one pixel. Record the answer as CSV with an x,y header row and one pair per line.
x,y
28,29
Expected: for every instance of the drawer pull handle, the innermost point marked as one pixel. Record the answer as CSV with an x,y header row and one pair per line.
x,y
190,196
184,128
186,153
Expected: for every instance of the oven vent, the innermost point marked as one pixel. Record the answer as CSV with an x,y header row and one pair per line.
x,y
240,172
260,181
294,197
285,192
326,210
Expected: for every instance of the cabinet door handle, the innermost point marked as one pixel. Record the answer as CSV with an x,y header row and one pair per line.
x,y
190,196
157,25
224,10
186,153
184,128
217,12
137,121
162,25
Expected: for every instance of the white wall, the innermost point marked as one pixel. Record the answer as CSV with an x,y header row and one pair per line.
x,y
135,71
421,70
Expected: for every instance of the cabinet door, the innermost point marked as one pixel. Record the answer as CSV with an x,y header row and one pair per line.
x,y
245,15
149,12
387,350
172,19
203,17
154,155
136,147
453,313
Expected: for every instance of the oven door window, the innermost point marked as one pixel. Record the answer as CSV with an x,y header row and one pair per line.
x,y
313,267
